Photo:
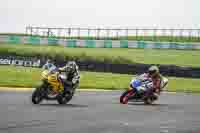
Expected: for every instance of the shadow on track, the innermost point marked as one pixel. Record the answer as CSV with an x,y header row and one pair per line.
x,y
63,105
154,104
161,107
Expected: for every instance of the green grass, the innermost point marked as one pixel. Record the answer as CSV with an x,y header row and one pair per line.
x,y
135,38
115,55
191,58
12,76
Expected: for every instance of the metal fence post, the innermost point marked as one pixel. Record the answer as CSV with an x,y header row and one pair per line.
x,y
69,32
79,33
181,34
127,34
88,32
59,32
98,33
117,34
26,30
154,32
108,33
48,32
172,35
190,34
136,30
163,34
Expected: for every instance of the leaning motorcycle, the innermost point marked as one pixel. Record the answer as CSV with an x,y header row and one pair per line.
x,y
137,91
52,88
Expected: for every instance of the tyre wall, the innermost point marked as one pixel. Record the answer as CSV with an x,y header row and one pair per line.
x,y
11,39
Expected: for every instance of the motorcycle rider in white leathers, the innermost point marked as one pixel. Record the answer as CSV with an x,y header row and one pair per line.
x,y
72,74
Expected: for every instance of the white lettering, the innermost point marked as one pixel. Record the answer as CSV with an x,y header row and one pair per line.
x,y
20,62
28,63
36,64
5,61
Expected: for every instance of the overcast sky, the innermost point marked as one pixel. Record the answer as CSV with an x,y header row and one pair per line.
x,y
15,15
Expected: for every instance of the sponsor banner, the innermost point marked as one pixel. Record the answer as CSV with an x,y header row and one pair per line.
x,y
80,44
62,42
99,43
109,44
124,44
197,46
132,44
71,43
90,43
166,46
150,45
141,44
43,41
20,61
95,43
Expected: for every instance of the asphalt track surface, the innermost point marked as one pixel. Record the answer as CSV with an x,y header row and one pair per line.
x,y
99,112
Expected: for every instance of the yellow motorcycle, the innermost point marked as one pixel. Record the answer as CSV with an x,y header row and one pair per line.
x,y
51,89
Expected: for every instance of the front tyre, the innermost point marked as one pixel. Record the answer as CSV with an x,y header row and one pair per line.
x,y
125,96
37,96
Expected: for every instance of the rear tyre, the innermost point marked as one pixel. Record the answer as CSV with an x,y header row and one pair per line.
x,y
148,101
37,96
64,99
125,96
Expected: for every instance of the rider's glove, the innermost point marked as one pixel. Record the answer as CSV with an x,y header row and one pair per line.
x,y
74,81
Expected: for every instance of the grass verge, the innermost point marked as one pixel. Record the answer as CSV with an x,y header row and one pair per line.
x,y
12,76
115,55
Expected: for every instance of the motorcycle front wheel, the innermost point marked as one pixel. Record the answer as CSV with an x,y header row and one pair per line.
x,y
37,96
125,96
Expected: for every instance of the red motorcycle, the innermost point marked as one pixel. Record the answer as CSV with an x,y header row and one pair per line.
x,y
137,91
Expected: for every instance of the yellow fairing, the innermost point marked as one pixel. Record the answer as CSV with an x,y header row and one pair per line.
x,y
44,74
52,79
56,84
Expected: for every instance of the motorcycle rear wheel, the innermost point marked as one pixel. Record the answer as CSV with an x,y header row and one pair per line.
x,y
148,101
64,99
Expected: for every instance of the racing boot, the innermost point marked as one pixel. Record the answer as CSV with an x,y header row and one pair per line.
x,y
155,96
